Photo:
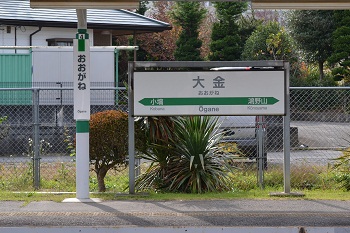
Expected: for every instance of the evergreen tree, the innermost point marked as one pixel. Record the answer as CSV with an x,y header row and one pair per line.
x,y
341,37
313,31
226,42
188,15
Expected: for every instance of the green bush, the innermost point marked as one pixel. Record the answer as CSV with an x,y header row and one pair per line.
x,y
342,170
192,162
109,142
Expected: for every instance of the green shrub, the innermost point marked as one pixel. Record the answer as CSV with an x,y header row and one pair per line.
x,y
197,167
342,170
190,159
109,143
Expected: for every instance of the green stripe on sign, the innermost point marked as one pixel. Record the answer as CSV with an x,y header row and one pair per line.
x,y
82,127
209,101
81,45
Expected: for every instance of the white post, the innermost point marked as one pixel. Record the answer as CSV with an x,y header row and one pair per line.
x,y
81,82
82,159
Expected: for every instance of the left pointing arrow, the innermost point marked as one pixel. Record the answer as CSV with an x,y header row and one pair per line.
x,y
209,101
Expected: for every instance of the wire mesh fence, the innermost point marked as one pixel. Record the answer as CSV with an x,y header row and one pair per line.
x,y
319,133
52,120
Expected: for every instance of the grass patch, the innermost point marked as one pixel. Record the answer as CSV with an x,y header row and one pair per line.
x,y
316,182
257,194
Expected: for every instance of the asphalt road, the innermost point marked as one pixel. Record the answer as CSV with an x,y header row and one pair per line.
x,y
214,213
323,134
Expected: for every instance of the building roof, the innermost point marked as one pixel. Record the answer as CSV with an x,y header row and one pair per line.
x,y
119,21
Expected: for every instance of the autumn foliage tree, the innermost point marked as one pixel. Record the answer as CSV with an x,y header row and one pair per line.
x,y
159,46
109,142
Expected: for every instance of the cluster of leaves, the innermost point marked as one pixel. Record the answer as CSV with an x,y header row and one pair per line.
x,y
109,142
340,56
226,44
189,16
342,168
69,140
313,30
188,161
162,46
310,77
315,37
5,129
268,42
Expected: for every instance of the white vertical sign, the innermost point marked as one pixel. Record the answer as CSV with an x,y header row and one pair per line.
x,y
81,74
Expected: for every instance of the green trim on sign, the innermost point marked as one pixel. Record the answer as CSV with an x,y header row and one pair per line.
x,y
209,101
82,126
81,45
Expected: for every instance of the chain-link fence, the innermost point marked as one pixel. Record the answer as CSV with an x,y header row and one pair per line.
x,y
46,114
319,133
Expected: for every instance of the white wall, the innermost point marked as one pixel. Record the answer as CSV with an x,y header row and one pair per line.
x,y
39,39
56,65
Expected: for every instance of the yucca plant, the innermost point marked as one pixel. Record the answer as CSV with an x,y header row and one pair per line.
x,y
159,131
195,165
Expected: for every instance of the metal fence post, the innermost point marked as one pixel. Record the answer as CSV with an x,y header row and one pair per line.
x,y
260,157
286,134
131,129
36,139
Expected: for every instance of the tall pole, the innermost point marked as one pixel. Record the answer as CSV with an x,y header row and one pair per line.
x,y
131,130
286,135
81,56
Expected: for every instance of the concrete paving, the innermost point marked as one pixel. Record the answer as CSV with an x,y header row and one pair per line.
x,y
175,214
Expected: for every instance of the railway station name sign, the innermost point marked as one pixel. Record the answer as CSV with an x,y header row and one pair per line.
x,y
209,93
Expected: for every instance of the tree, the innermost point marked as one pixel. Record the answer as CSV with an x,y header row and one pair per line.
x,y
142,8
109,142
205,32
188,15
312,30
162,45
271,42
341,37
247,24
268,42
226,44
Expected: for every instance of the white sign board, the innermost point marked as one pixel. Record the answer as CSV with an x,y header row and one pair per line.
x,y
209,93
81,82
